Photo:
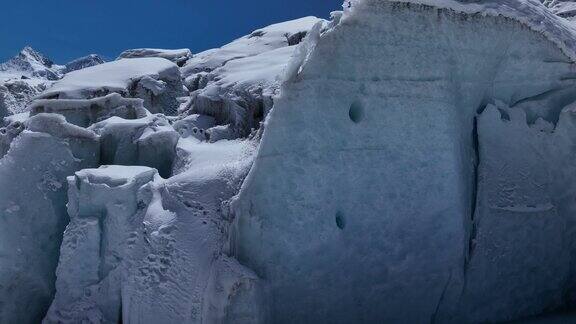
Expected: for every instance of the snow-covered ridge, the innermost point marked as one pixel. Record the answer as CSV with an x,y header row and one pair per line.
x,y
236,83
562,8
29,73
116,76
31,64
532,13
178,56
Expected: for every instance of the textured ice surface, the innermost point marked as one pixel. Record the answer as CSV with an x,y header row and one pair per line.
x,y
194,125
33,211
85,112
236,83
105,219
178,56
417,167
523,243
156,80
148,141
181,272
563,8
22,78
359,207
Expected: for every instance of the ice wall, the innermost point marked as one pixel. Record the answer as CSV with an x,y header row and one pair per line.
x,y
360,205
105,220
148,141
522,248
33,210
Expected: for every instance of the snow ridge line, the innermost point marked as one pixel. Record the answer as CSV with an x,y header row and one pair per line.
x,y
530,13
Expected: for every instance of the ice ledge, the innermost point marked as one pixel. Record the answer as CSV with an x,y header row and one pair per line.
x,y
114,175
528,12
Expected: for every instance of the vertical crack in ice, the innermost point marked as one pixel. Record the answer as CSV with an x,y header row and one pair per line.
x,y
437,309
473,202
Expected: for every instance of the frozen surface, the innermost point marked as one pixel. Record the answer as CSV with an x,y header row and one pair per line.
x,y
105,218
156,80
524,217
182,272
237,82
562,8
116,76
417,167
148,141
85,112
259,41
194,125
361,204
178,56
33,211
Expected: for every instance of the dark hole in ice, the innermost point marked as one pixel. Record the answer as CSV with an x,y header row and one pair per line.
x,y
340,221
356,112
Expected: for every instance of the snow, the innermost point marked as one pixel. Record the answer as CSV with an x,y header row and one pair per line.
x,y
237,82
259,41
85,112
31,64
531,13
182,271
178,56
116,76
22,78
27,75
194,125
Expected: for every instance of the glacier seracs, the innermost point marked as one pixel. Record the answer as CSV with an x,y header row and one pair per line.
x,y
155,80
105,220
416,167
366,178
178,56
236,83
33,210
29,73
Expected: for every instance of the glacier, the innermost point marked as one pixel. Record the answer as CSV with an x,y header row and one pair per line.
x,y
30,73
372,172
407,161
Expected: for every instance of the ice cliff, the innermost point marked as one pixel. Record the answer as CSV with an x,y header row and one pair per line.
x,y
414,169
409,161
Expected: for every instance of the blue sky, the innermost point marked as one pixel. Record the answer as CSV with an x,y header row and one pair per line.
x,y
67,29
